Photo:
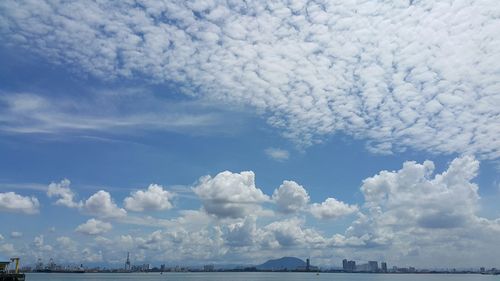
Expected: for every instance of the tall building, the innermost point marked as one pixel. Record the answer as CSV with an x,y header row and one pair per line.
x,y
383,266
351,265
308,265
348,266
373,265
127,262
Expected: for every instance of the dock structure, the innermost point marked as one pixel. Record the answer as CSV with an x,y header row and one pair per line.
x,y
10,275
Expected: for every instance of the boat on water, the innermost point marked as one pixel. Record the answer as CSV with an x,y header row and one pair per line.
x,y
8,274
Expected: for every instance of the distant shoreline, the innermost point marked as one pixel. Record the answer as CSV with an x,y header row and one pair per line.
x,y
241,271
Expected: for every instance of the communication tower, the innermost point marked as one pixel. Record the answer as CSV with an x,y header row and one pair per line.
x,y
127,263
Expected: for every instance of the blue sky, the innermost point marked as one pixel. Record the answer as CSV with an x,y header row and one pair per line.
x,y
216,132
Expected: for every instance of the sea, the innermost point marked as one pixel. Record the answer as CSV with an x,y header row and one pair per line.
x,y
254,276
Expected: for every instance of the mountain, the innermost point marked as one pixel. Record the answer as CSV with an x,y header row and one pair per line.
x,y
289,263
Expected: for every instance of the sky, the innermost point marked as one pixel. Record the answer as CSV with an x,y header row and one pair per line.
x,y
232,132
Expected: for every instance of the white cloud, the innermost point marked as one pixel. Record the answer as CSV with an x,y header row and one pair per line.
x,y
106,111
65,194
412,195
69,246
13,202
290,233
154,198
38,241
290,197
1,237
7,249
64,241
94,227
277,154
422,218
428,81
90,255
39,244
101,205
242,233
16,234
24,186
230,194
332,209
412,216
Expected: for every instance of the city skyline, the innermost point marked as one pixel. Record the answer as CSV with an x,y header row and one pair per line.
x,y
291,264
199,132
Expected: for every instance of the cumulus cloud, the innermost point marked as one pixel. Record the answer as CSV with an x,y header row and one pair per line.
x,y
230,194
13,202
398,74
290,197
413,215
65,241
243,233
289,233
154,198
91,255
416,215
412,196
16,234
331,208
64,193
277,154
7,249
39,244
179,243
101,205
94,227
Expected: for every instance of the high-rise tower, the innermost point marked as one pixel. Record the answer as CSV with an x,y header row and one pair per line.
x,y
127,263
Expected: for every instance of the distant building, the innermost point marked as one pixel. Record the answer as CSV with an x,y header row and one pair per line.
x,y
383,266
351,265
307,267
208,267
144,267
348,266
373,265
363,267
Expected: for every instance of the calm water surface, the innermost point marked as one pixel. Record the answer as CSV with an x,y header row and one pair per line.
x,y
254,276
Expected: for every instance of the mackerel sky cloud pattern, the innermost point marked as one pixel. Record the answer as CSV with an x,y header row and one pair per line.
x,y
397,74
154,110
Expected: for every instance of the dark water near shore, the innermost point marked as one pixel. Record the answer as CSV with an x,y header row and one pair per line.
x,y
255,276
